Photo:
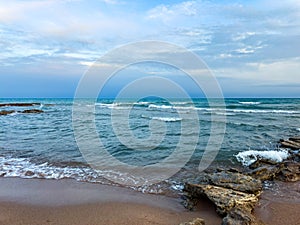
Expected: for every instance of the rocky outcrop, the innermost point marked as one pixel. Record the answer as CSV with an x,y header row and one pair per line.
x,y
265,172
6,112
292,143
236,193
197,221
239,217
290,172
32,111
236,181
19,104
225,199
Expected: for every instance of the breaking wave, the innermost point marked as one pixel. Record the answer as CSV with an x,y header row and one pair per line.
x,y
251,156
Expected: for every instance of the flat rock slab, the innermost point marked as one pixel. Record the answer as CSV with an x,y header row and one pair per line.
x,y
32,111
6,112
19,104
236,181
292,143
27,111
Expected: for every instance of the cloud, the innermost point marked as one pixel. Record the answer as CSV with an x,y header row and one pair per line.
x,y
111,2
248,41
273,73
168,12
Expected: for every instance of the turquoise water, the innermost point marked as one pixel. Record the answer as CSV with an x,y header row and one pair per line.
x,y
44,146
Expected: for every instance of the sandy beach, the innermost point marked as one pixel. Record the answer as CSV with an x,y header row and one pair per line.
x,y
24,201
34,201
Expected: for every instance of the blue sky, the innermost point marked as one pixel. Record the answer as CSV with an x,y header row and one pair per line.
x,y
252,47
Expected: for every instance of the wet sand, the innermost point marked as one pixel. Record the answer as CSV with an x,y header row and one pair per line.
x,y
41,202
280,205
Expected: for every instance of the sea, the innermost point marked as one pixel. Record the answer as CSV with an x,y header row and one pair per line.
x,y
45,146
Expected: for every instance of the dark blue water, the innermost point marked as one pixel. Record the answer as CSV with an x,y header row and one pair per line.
x,y
44,146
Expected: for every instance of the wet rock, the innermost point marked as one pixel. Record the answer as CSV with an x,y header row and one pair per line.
x,y
240,217
33,111
262,162
296,138
265,172
290,172
29,173
197,221
2,174
225,199
19,104
6,112
236,181
292,143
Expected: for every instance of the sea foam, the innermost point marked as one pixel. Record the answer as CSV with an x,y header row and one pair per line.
x,y
250,103
251,156
167,119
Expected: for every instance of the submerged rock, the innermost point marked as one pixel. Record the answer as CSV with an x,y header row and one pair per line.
x,y
6,112
32,111
296,138
19,104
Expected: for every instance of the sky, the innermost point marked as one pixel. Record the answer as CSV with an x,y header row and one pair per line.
x,y
251,47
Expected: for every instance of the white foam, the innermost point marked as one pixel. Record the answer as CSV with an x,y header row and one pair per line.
x,y
107,105
250,103
172,107
251,156
160,106
141,103
114,105
20,167
298,129
167,119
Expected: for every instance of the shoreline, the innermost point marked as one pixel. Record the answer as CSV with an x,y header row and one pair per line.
x,y
39,201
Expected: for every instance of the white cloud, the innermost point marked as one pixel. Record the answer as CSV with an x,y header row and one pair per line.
x,y
111,2
243,36
169,12
272,73
247,50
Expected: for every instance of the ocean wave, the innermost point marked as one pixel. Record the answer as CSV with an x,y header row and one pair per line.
x,y
115,105
160,106
251,156
23,168
250,103
153,106
142,103
107,105
167,119
218,111
262,111
298,129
